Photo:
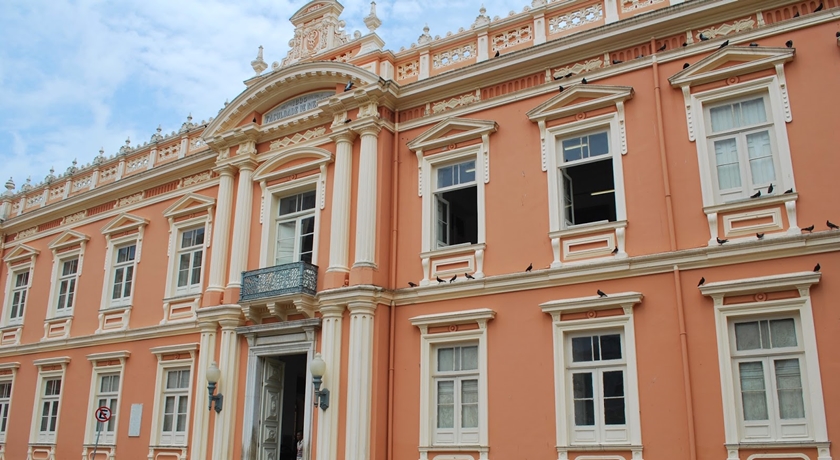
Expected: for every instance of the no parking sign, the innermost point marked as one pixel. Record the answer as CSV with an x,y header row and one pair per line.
x,y
103,414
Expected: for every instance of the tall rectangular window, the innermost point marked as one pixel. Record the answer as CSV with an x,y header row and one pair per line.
x,y
176,395
123,272
49,410
456,394
107,395
768,360
5,402
190,258
20,288
586,173
596,374
456,204
295,228
741,142
67,278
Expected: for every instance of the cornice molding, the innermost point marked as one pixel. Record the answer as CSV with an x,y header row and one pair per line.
x,y
479,315
712,67
109,355
466,129
773,283
579,304
178,348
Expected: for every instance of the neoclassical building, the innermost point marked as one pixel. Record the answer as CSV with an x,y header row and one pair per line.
x,y
589,229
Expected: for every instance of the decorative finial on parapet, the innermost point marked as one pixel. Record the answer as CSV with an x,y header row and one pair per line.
x,y
187,124
28,185
51,176
10,187
482,18
157,136
425,38
259,64
127,147
72,169
537,3
101,157
372,21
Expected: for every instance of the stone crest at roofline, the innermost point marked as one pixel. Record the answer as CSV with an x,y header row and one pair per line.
x,y
317,29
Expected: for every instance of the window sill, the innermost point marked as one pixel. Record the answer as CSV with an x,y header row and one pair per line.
x,y
112,308
182,297
588,228
11,325
779,445
449,250
602,447
751,203
61,317
455,448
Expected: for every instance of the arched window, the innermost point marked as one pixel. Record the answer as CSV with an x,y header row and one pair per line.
x,y
296,105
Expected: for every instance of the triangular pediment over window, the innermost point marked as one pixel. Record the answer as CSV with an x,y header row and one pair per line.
x,y
191,203
453,131
124,223
292,161
20,253
732,61
578,99
68,239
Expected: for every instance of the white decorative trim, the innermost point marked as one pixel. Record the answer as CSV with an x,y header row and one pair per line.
x,y
188,205
162,367
43,375
800,307
557,308
730,220
272,168
96,372
575,19
428,341
270,201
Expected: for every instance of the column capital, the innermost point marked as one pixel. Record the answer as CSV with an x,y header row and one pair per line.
x,y
219,314
343,135
361,308
245,163
331,311
225,170
367,128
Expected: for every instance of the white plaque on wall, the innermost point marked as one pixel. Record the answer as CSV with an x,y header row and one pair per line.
x,y
135,420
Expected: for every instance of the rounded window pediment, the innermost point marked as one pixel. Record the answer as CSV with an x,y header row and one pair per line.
x,y
296,105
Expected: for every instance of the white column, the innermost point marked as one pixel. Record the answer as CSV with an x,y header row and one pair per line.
x,y
366,199
340,231
206,351
221,230
241,225
327,447
359,378
228,364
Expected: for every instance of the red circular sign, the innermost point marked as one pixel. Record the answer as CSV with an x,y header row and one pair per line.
x,y
103,414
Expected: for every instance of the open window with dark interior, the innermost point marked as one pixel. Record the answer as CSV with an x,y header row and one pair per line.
x,y
586,175
456,205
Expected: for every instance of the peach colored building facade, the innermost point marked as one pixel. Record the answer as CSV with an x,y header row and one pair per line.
x,y
621,150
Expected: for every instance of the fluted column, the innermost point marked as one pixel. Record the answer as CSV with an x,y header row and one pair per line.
x,y
201,416
340,231
359,376
221,231
366,199
241,224
327,444
228,364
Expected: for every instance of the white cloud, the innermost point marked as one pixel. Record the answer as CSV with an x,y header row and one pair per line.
x,y
77,75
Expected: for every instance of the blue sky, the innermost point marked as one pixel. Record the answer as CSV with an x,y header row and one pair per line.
x,y
77,75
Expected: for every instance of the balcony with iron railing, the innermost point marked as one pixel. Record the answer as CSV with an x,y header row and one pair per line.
x,y
279,291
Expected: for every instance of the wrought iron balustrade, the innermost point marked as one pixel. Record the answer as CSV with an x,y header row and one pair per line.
x,y
293,278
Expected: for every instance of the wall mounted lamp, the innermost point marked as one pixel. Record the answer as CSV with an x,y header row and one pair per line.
x,y
317,367
213,376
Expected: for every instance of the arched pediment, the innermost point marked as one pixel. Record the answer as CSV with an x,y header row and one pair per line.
x,y
284,84
292,161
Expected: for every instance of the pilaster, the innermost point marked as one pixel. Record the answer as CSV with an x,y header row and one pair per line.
x,y
366,199
340,219
228,364
359,377
241,220
201,416
221,237
327,444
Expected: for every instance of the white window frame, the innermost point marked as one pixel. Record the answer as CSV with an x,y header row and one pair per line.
x,y
70,245
767,87
202,207
455,159
271,196
19,259
103,364
121,224
123,301
297,218
800,309
14,290
610,123
163,367
457,435
10,372
563,331
48,369
429,343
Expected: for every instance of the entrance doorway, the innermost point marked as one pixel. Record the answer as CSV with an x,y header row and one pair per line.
x,y
283,408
